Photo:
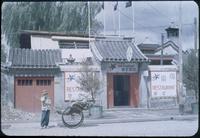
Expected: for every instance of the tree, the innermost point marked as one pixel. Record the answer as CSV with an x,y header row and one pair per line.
x,y
70,17
89,80
4,79
3,54
191,72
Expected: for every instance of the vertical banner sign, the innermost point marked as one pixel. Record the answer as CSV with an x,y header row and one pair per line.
x,y
129,53
163,84
72,88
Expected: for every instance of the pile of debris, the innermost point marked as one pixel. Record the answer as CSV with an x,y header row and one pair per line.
x,y
10,114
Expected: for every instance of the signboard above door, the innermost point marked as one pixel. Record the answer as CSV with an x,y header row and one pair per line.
x,y
122,67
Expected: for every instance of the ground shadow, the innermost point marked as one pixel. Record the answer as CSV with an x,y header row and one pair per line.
x,y
83,125
88,125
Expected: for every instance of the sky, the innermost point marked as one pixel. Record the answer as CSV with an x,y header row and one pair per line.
x,y
151,18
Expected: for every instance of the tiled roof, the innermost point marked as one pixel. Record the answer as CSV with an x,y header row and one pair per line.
x,y
148,46
110,50
172,44
168,43
158,57
29,58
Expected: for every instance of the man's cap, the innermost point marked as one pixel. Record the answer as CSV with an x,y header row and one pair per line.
x,y
44,92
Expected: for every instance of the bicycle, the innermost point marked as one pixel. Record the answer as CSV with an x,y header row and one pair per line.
x,y
73,116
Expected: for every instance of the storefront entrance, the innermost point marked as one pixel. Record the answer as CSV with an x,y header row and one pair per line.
x,y
121,90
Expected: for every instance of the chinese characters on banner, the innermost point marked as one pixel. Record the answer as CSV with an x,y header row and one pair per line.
x,y
72,88
163,84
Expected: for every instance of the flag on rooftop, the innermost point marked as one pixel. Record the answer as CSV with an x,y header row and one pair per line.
x,y
128,4
102,6
115,7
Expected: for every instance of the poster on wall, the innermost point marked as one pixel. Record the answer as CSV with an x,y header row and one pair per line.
x,y
72,87
163,84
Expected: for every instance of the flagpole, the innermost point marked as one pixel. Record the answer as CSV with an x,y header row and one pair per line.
x,y
119,18
114,23
133,19
104,21
180,60
89,19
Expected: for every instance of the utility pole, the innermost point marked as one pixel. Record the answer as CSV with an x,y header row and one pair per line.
x,y
181,98
133,19
104,20
89,20
114,23
162,42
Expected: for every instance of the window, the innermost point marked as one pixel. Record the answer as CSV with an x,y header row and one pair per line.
x,y
30,82
82,45
73,45
19,82
49,82
24,82
43,82
37,82
66,45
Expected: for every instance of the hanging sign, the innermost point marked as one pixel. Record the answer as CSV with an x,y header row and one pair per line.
x,y
129,53
123,67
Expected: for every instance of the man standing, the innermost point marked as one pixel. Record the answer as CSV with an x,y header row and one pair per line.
x,y
46,105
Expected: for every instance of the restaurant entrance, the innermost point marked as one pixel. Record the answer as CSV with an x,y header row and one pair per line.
x,y
121,90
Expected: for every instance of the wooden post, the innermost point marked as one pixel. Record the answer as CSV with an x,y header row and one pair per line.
x,y
162,41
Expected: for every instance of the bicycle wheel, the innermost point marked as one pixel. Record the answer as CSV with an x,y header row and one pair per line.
x,y
72,118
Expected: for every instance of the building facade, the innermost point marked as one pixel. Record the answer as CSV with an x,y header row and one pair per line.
x,y
124,83
52,61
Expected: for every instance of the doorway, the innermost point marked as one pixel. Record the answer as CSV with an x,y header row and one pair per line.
x,y
121,85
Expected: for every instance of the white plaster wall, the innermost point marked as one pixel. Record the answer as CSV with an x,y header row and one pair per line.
x,y
103,95
143,86
143,91
59,91
40,42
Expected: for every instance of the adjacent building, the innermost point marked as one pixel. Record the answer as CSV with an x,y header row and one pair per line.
x,y
170,49
30,72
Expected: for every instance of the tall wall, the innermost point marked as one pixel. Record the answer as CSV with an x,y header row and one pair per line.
x,y
143,85
59,90
103,94
11,86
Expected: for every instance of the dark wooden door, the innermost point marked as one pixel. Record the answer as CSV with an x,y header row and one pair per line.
x,y
121,85
133,91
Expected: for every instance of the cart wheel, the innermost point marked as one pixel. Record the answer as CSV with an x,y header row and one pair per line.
x,y
72,118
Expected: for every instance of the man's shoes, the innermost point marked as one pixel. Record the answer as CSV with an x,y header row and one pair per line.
x,y
46,126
